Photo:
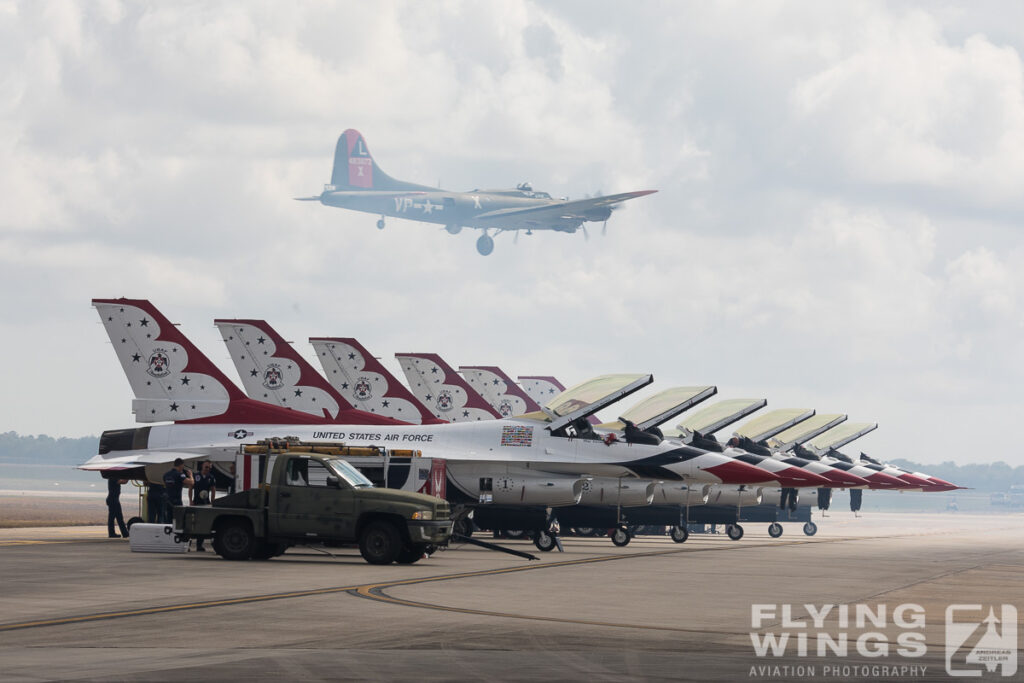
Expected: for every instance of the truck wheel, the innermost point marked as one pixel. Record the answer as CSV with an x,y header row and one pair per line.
x,y
133,520
463,527
380,543
411,554
235,540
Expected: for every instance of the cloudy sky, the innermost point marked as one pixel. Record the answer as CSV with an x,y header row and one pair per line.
x,y
837,225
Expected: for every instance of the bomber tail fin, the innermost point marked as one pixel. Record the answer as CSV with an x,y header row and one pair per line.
x,y
441,389
355,169
273,371
362,379
174,380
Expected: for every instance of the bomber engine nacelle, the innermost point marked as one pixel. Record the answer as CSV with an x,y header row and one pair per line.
x,y
678,493
735,495
625,491
512,489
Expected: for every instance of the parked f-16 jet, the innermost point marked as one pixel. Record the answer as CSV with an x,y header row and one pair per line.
x,y
358,184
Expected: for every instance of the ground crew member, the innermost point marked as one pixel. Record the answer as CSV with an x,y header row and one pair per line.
x,y
175,479
114,512
203,492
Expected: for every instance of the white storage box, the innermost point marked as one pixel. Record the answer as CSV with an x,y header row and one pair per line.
x,y
154,538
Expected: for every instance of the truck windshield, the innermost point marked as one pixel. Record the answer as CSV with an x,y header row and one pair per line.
x,y
350,474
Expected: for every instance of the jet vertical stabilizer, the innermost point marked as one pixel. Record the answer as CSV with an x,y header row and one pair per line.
x,y
498,389
174,380
360,378
272,371
442,390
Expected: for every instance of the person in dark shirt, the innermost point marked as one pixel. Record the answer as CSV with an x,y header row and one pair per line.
x,y
175,480
203,492
114,512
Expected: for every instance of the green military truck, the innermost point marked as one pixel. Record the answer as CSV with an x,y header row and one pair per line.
x,y
313,498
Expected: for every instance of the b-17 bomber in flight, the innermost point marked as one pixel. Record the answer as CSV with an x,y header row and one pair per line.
x,y
358,184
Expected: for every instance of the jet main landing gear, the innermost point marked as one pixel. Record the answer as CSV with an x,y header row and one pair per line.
x,y
774,529
735,531
810,528
620,536
380,223
679,534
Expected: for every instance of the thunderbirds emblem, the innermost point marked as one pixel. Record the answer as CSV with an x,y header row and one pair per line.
x,y
444,401
505,408
159,365
273,378
362,389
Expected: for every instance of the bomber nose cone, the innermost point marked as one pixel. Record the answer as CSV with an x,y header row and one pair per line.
x,y
736,472
798,477
881,480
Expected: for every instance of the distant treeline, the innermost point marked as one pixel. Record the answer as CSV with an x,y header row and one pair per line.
x,y
45,450
995,476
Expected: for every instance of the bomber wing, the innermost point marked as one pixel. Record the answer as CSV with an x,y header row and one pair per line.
x,y
569,213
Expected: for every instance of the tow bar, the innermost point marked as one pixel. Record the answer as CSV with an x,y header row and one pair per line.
x,y
459,538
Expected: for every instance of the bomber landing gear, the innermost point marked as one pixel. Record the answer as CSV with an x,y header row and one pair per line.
x,y
453,229
735,531
485,245
679,534
380,223
620,536
810,528
774,529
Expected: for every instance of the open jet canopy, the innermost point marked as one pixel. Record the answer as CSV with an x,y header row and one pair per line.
x,y
722,414
662,407
839,436
771,423
805,431
586,398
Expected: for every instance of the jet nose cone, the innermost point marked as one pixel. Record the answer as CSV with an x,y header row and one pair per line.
x,y
844,480
936,485
916,480
881,480
736,472
798,477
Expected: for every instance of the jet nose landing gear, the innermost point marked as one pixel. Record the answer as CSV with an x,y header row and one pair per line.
x,y
485,245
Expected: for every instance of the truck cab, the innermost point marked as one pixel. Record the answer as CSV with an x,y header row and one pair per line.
x,y
320,498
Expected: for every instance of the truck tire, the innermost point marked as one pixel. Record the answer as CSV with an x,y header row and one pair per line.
x,y
411,554
234,540
380,543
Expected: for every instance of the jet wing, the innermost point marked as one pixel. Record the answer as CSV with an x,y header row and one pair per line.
x,y
567,212
662,407
805,431
126,460
588,397
837,437
773,422
709,420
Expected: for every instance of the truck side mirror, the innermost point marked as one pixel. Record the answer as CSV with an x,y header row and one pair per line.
x,y
333,481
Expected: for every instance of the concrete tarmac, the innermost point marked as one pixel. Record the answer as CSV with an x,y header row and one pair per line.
x,y
75,605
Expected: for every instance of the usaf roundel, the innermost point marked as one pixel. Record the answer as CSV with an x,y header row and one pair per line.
x,y
159,364
273,378
444,401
